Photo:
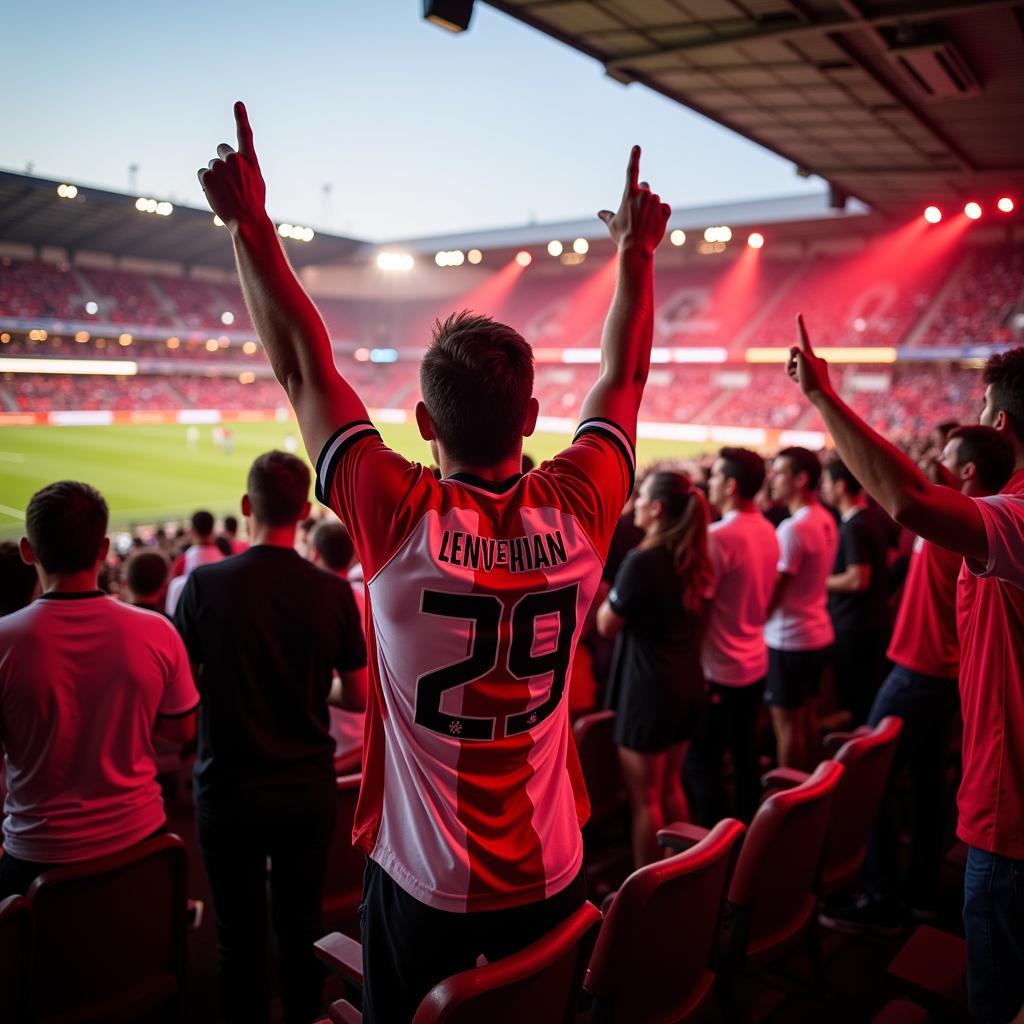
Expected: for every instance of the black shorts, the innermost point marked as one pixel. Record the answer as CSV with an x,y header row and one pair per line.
x,y
409,947
794,677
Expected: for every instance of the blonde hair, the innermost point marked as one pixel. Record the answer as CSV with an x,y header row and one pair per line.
x,y
683,529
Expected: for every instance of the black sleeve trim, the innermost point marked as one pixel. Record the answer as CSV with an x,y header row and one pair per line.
x,y
623,442
178,714
337,444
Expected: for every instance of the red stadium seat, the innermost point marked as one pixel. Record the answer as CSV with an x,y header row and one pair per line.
x,y
540,984
656,954
343,882
867,756
773,894
110,935
932,968
15,958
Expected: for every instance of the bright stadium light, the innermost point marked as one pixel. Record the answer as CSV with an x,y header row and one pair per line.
x,y
932,214
1005,205
678,237
227,318
217,222
973,211
392,261
165,209
246,377
554,247
296,232
92,308
249,348
523,258
212,344
82,337
5,338
755,240
92,367
474,256
67,191
581,247
721,233
124,340
173,343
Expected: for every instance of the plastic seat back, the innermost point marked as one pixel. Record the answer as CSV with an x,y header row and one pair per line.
x,y
774,888
110,934
599,759
867,761
540,984
343,882
15,957
655,954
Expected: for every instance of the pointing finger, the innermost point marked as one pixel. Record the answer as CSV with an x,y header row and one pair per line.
x,y
645,186
224,150
805,342
245,146
633,169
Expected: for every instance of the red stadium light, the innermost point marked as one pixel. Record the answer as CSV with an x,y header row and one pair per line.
x,y
973,211
933,215
755,240
523,258
1006,205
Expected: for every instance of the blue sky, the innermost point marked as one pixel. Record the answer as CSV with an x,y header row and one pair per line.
x,y
417,131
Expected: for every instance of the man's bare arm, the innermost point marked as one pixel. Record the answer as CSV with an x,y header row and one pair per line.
x,y
939,514
852,580
782,580
636,229
289,326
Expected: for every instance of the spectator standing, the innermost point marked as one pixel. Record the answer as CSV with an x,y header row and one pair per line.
x,y
202,551
857,591
657,608
989,534
799,632
265,630
922,690
229,542
145,578
744,555
478,585
85,683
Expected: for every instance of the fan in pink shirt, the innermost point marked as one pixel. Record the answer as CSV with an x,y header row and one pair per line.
x,y
86,682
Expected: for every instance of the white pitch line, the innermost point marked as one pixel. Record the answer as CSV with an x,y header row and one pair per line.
x,y
14,513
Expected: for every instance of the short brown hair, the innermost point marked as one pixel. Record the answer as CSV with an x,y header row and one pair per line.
x,y
477,380
66,523
146,572
278,488
334,545
1005,373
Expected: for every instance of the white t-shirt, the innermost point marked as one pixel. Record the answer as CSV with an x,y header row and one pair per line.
x,y
808,541
744,551
82,680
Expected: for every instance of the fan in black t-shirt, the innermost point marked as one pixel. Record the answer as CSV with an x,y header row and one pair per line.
x,y
656,608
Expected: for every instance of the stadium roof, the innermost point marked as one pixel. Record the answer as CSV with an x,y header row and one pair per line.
x,y
33,213
786,210
897,102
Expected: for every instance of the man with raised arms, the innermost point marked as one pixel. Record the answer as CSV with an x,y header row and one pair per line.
x,y
988,532
472,798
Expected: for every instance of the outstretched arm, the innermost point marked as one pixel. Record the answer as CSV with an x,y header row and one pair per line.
x,y
939,514
292,331
636,229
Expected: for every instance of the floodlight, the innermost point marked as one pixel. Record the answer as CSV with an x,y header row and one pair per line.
x,y
453,15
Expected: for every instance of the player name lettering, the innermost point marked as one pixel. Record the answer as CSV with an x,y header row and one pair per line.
x,y
515,554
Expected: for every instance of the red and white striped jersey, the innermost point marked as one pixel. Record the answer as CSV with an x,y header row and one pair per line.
x,y
472,796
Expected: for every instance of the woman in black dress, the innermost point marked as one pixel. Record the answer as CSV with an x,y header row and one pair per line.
x,y
657,608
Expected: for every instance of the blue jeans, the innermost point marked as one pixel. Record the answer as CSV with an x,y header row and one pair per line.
x,y
928,707
994,925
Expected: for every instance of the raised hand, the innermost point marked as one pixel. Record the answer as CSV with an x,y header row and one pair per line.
x,y
640,220
804,367
232,182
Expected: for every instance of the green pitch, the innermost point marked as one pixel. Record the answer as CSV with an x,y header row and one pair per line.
x,y
150,473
